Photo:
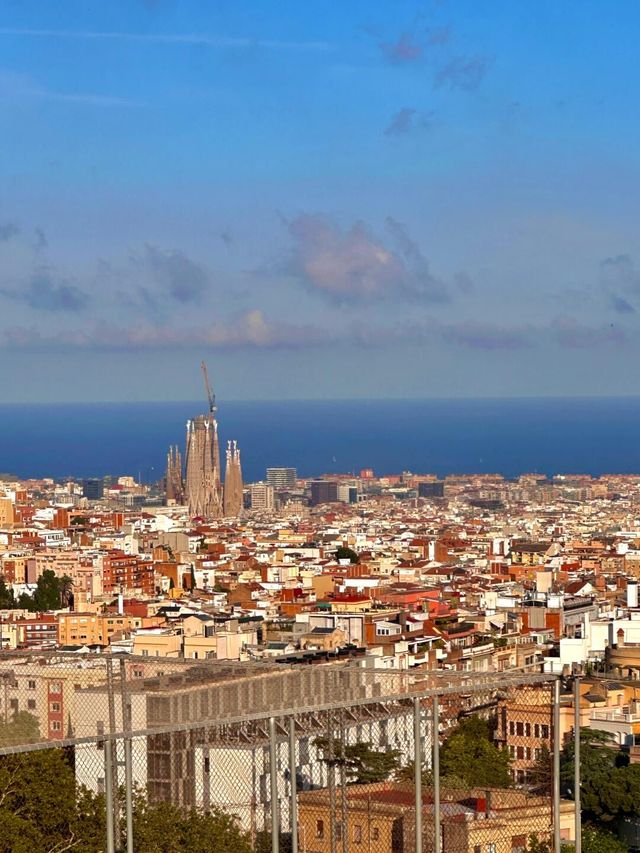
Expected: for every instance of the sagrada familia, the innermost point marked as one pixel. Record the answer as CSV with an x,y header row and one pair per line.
x,y
201,485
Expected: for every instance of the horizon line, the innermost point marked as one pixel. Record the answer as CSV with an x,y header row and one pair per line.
x,y
261,400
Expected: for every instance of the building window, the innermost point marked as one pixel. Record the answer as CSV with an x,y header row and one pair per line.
x,y
31,704
519,729
512,728
375,833
319,829
56,726
545,732
13,704
536,730
55,707
357,834
527,729
31,685
491,847
55,687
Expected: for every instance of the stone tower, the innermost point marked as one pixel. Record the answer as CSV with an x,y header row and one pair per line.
x,y
203,485
233,481
174,483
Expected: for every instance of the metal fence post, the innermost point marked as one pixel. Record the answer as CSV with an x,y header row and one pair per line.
x,y
436,776
556,765
293,806
128,768
108,795
331,779
112,746
343,786
576,761
273,772
417,770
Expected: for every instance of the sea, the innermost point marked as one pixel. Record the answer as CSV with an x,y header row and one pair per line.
x,y
453,436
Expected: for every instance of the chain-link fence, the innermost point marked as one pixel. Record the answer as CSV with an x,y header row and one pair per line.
x,y
153,754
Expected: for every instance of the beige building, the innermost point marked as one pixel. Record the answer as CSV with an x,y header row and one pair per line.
x,y
7,514
158,643
91,629
381,818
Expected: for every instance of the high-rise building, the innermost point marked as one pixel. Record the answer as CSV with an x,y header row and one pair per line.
x,y
282,478
431,489
93,489
323,492
174,483
233,481
262,496
347,493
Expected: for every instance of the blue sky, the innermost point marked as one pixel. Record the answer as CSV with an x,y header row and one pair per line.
x,y
323,199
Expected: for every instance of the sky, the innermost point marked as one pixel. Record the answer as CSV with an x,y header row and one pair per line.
x,y
320,199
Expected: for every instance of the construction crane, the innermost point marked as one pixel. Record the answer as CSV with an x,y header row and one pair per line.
x,y
210,395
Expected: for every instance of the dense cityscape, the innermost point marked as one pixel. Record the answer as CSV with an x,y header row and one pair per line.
x,y
407,577
319,466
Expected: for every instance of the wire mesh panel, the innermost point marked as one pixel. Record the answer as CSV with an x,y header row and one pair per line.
x,y
495,772
163,755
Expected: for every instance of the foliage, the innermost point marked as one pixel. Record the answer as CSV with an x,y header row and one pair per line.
x,y
344,553
22,728
596,840
597,756
165,828
406,774
51,593
541,774
42,809
38,808
610,787
7,600
535,845
363,764
470,754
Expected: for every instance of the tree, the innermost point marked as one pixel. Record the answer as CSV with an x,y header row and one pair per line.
x,y
166,828
42,809
608,787
536,846
66,591
406,774
541,774
362,763
38,803
470,754
7,598
344,553
21,729
48,594
596,840
597,756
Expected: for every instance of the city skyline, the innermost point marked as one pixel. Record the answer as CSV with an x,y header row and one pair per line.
x,y
414,200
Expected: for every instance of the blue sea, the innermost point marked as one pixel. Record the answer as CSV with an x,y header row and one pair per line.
x,y
549,436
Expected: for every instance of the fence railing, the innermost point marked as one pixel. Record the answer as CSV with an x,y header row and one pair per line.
x,y
162,755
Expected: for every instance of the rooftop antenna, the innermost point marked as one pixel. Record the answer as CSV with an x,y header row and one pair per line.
x,y
210,395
